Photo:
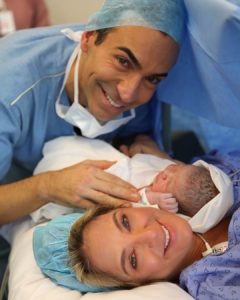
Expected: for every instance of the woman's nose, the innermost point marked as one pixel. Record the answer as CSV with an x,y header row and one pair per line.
x,y
150,236
129,88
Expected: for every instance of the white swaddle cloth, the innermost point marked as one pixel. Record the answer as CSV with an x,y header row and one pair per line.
x,y
67,151
140,170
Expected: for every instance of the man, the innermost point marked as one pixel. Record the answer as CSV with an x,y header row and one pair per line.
x,y
58,82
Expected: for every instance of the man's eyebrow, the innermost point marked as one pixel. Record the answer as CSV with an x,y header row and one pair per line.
x,y
131,56
136,62
123,255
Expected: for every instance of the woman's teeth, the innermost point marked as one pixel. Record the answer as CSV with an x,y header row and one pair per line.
x,y
112,102
167,236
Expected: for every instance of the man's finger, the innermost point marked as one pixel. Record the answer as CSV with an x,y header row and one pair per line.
x,y
124,149
114,185
102,164
117,189
104,199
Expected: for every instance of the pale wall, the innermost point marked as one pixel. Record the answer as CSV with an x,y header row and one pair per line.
x,y
71,11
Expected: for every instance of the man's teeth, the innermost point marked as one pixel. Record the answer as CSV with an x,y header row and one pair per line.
x,y
167,236
112,102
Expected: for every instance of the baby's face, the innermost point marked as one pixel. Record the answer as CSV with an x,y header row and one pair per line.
x,y
138,244
171,179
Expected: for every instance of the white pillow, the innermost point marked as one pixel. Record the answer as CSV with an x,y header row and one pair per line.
x,y
27,282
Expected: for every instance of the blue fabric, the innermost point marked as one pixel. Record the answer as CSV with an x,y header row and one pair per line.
x,y
31,78
33,64
205,80
50,248
218,276
211,135
164,15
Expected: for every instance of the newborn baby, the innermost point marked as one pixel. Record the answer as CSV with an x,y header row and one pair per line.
x,y
162,182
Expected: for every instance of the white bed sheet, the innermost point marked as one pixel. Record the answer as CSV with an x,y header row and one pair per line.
x,y
26,282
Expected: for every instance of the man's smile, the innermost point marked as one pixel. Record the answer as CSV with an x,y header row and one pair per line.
x,y
110,100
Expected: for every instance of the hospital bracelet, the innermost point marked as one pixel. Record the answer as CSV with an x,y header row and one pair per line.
x,y
216,249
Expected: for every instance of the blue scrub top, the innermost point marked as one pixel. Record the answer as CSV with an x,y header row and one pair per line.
x,y
33,64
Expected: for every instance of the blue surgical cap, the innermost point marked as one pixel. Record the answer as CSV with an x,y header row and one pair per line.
x,y
50,247
164,15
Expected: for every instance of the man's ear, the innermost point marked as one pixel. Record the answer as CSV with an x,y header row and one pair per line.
x,y
86,39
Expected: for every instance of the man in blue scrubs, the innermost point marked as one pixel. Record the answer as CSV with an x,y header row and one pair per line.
x,y
86,79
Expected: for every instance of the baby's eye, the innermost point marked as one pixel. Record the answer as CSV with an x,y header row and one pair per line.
x,y
125,222
133,261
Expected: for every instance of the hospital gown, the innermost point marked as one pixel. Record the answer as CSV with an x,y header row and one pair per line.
x,y
218,276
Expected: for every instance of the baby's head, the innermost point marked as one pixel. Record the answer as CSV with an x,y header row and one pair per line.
x,y
191,185
128,246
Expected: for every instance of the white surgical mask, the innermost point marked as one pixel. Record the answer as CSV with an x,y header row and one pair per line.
x,y
76,114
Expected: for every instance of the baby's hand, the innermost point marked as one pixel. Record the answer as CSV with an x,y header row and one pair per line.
x,y
164,201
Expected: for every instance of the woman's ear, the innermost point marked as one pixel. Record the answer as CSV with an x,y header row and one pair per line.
x,y
86,39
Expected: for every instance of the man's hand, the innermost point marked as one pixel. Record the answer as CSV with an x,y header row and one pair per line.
x,y
86,184
82,185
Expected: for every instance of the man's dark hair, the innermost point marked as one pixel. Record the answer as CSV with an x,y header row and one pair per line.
x,y
101,35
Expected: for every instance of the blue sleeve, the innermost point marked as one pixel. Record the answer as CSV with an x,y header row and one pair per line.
x,y
9,135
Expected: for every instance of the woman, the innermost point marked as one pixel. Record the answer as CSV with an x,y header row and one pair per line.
x,y
132,246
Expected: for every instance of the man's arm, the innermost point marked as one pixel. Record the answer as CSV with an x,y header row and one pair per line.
x,y
20,198
82,185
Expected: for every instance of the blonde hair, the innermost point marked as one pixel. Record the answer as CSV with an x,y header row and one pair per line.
x,y
85,272
198,190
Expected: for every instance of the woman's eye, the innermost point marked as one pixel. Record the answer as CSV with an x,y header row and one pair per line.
x,y
123,62
125,222
133,261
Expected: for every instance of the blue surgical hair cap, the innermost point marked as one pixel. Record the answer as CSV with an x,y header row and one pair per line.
x,y
167,16
50,248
